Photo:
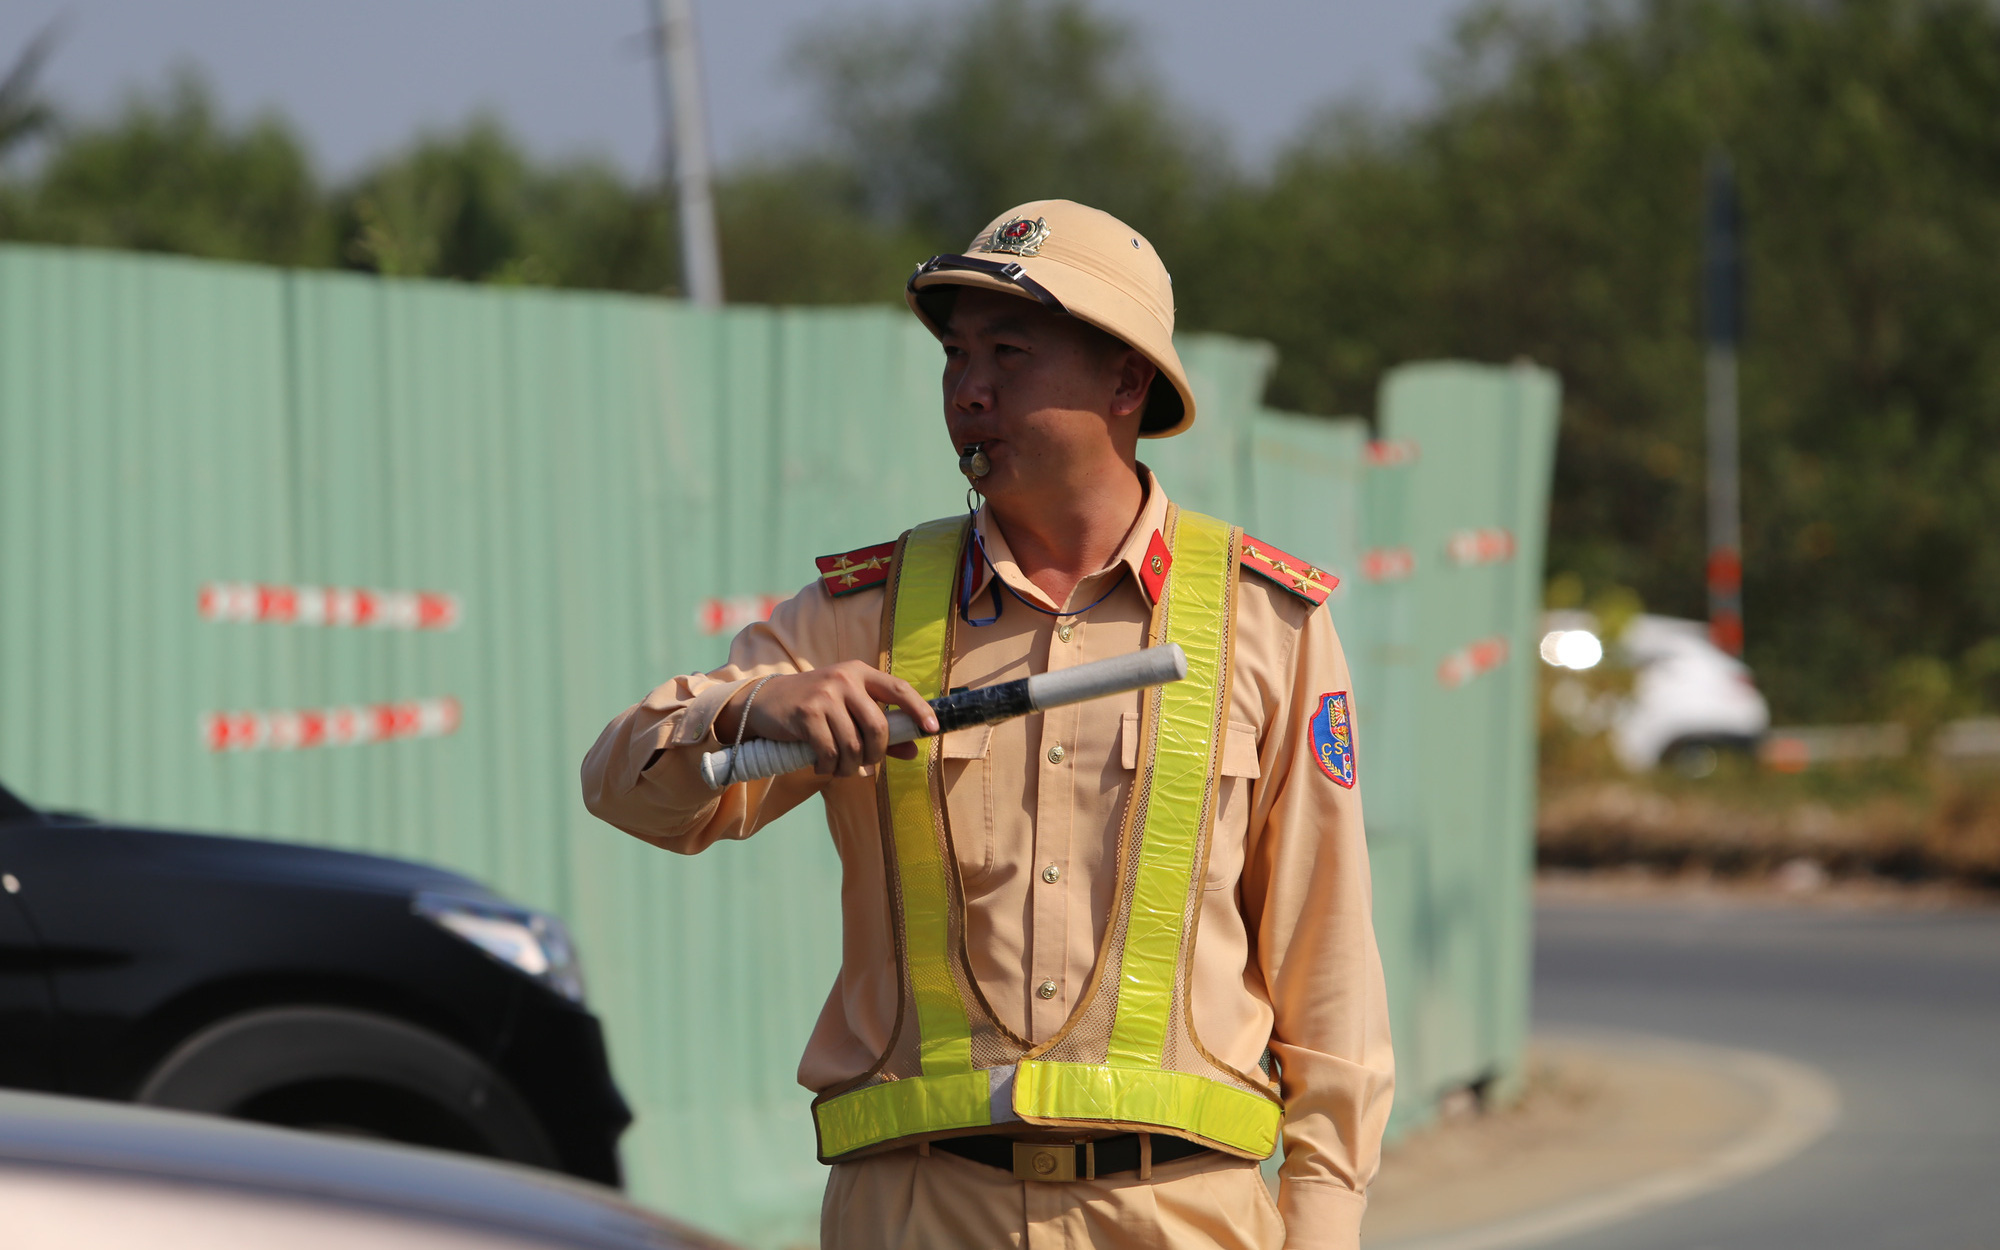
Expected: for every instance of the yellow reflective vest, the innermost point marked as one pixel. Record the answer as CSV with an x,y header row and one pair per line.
x,y
1127,1059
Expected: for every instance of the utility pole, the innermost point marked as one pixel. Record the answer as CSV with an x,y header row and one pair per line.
x,y
1722,282
685,127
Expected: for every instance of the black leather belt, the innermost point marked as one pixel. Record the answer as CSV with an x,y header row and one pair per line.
x,y
1067,1161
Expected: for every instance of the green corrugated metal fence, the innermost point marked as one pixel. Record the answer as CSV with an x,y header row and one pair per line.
x,y
1436,530
584,472
1484,442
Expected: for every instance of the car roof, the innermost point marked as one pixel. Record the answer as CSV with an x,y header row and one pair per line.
x,y
234,855
1650,637
83,1136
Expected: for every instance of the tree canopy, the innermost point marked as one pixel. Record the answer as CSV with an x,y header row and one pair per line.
x,y
1545,205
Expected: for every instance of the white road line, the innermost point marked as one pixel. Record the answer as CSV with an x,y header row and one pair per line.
x,y
1805,1105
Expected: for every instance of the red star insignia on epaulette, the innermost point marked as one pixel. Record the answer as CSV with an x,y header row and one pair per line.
x,y
1304,580
850,571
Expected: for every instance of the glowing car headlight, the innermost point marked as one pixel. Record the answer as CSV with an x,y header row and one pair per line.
x,y
533,943
1576,649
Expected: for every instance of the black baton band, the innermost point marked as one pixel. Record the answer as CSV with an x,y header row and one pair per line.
x,y
982,705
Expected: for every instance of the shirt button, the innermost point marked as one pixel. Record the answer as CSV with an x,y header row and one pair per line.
x,y
1046,989
1052,874
1065,630
1056,753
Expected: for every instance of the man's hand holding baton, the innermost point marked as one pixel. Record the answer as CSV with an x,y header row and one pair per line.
x,y
833,718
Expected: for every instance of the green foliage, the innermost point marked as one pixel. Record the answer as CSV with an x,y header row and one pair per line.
x,y
470,206
791,235
940,122
1546,206
1576,712
1922,695
169,176
1980,676
1615,608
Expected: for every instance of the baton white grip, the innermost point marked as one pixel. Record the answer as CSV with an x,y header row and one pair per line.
x,y
764,757
1152,666
1136,670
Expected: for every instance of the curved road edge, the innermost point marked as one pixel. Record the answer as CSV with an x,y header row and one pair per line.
x,y
1804,1106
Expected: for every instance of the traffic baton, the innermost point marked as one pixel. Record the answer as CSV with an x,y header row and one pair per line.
x,y
982,705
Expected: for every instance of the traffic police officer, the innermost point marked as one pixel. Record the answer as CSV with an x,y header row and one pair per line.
x,y
1096,961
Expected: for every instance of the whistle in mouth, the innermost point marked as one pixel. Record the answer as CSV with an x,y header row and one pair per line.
x,y
972,461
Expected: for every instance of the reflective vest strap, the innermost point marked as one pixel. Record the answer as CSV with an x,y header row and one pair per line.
x,y
1208,1109
919,630
1186,738
898,1109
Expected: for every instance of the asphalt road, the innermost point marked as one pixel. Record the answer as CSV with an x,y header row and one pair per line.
x,y
1901,1008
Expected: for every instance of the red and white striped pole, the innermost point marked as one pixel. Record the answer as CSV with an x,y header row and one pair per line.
x,y
1723,279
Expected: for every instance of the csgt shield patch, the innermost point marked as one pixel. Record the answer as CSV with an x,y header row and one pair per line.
x,y
1333,738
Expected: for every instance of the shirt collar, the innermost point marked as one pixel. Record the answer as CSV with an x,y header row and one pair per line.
x,y
1130,556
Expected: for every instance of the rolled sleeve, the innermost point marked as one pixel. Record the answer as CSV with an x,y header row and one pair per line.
x,y
643,774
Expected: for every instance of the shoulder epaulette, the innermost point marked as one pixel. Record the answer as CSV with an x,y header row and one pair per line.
x,y
1304,580
862,569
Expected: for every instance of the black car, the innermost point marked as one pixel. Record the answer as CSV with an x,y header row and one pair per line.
x,y
297,986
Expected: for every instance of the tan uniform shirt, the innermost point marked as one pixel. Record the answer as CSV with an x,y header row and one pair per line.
x,y
1286,952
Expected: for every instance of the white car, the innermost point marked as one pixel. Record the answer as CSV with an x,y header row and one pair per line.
x,y
1690,700
85,1175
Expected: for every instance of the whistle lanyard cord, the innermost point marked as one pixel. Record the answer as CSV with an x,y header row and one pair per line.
x,y
965,594
743,723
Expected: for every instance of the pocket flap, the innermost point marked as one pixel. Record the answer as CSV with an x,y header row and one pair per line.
x,y
1239,748
969,743
1239,751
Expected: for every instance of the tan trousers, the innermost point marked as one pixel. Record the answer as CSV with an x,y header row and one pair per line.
x,y
903,1201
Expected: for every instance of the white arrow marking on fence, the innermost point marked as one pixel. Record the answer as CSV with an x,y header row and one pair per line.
x,y
1481,546
727,615
1471,660
348,607
304,728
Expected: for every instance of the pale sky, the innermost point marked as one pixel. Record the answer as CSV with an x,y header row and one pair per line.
x,y
359,77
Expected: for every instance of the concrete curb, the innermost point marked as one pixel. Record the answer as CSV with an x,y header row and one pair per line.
x,y
1804,1106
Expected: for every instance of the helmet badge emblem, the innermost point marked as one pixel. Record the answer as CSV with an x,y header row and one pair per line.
x,y
1020,237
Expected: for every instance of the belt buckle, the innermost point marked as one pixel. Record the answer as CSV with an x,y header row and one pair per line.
x,y
1052,1161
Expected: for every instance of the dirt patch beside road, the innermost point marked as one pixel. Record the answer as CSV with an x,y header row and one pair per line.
x,y
1607,1127
1906,827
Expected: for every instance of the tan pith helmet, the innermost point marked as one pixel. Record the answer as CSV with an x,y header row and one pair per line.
x,y
1087,263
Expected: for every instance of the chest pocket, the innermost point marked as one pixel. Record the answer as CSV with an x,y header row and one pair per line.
x,y
1232,809
968,790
